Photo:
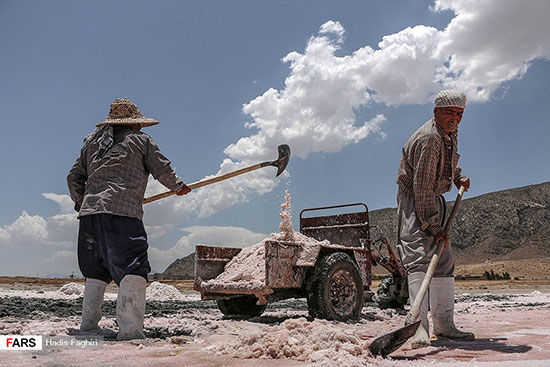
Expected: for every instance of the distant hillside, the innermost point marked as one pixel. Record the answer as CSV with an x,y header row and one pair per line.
x,y
511,224
183,268
506,225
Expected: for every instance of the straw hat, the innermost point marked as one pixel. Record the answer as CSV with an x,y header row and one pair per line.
x,y
125,112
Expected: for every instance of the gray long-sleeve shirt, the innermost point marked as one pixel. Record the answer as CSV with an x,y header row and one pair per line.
x,y
115,182
427,169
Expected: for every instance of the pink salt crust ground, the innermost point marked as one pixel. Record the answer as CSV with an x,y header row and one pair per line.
x,y
512,332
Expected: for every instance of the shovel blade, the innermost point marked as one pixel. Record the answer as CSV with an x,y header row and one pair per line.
x,y
284,157
385,344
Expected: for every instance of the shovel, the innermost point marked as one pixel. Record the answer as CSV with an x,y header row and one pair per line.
x,y
280,163
390,342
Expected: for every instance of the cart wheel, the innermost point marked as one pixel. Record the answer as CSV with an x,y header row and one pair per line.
x,y
241,306
393,292
337,289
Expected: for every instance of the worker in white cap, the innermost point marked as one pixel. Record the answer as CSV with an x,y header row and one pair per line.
x,y
428,168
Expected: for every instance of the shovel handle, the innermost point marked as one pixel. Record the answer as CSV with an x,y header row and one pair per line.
x,y
415,309
280,163
207,181
455,210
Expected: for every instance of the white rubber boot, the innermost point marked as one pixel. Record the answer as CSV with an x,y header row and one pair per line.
x,y
130,307
421,339
442,303
91,304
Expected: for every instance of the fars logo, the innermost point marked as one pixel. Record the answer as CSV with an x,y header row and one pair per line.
x,y
20,342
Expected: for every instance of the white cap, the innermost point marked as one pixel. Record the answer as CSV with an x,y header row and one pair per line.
x,y
450,98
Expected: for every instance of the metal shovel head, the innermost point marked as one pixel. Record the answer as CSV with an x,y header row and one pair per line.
x,y
385,344
284,157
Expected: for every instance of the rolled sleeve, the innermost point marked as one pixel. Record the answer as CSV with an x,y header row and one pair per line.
x,y
159,166
424,182
76,180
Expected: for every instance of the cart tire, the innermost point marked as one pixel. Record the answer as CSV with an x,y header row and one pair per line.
x,y
392,292
241,306
311,291
336,291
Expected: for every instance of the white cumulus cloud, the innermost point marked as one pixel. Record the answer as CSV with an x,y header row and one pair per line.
x,y
334,28
41,245
491,42
59,230
26,230
64,202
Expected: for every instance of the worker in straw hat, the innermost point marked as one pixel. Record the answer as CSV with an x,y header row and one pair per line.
x,y
107,184
427,170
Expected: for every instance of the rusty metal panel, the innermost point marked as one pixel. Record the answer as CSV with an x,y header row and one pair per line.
x,y
308,255
215,252
281,269
233,289
343,229
334,220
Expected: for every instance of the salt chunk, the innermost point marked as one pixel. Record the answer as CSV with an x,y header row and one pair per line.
x,y
72,289
535,294
162,292
287,232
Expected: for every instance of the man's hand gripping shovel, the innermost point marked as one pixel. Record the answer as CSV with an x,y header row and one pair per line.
x,y
390,342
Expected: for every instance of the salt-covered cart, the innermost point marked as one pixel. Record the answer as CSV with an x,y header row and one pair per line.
x,y
329,263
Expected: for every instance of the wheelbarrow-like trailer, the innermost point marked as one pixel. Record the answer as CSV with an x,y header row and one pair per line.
x,y
334,277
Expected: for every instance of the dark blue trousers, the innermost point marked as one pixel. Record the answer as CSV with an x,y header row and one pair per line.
x,y
111,247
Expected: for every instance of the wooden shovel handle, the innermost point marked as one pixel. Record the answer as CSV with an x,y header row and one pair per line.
x,y
415,308
207,181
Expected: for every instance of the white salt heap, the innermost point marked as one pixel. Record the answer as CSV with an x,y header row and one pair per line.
x,y
72,289
247,269
162,292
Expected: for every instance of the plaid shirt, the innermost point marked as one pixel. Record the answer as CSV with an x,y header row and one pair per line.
x,y
114,181
428,168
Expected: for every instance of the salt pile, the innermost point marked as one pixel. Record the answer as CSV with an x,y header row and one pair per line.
x,y
246,270
318,341
72,289
162,292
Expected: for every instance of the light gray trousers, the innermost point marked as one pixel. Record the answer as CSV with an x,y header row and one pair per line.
x,y
415,246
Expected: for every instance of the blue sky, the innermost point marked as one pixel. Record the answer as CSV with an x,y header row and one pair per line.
x,y
344,83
